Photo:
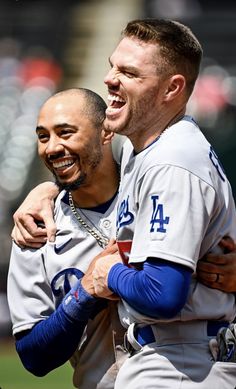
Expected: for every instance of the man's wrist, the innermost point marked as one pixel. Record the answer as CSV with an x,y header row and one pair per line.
x,y
78,303
112,278
54,190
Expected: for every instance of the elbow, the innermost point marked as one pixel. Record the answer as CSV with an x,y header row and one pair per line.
x,y
33,360
37,366
35,369
38,373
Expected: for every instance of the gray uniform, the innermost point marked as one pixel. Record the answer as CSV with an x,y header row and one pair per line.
x,y
175,203
39,279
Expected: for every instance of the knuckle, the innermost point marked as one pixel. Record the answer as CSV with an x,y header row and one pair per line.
x,y
17,216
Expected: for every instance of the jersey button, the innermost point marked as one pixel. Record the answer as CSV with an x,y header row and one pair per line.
x,y
106,224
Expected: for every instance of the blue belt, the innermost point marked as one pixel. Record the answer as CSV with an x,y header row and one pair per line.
x,y
145,334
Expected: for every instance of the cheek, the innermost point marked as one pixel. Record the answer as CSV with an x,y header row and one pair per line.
x,y
42,154
41,151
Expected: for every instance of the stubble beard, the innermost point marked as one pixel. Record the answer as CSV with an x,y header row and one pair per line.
x,y
70,187
76,184
132,123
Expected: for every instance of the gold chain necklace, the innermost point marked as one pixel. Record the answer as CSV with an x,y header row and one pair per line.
x,y
100,238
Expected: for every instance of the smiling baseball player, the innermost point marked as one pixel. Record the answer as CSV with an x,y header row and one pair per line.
x,y
54,318
174,205
169,325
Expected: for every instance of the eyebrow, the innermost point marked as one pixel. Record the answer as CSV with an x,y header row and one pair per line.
x,y
57,126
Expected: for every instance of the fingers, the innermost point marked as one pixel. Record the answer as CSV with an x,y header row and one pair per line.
x,y
222,277
223,261
28,231
209,277
35,238
101,290
27,225
111,248
217,259
33,220
111,243
87,283
213,280
47,217
100,274
37,207
209,267
227,244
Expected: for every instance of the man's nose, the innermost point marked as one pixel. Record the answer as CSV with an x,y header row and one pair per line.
x,y
111,78
54,146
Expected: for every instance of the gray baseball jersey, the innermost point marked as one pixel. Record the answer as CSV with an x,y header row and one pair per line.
x,y
175,203
39,279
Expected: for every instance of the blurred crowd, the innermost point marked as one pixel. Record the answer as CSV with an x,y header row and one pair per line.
x,y
30,71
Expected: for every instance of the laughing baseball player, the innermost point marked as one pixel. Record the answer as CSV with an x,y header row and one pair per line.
x,y
170,325
54,318
174,206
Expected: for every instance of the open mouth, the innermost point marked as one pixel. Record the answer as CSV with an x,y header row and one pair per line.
x,y
63,166
115,103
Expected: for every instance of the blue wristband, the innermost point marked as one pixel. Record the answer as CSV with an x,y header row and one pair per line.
x,y
78,304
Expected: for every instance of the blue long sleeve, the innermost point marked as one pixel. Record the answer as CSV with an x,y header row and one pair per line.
x,y
51,342
159,290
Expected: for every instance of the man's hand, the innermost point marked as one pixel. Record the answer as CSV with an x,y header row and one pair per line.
x,y
34,222
218,271
87,280
100,274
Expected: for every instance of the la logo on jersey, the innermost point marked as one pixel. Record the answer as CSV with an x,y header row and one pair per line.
x,y
158,220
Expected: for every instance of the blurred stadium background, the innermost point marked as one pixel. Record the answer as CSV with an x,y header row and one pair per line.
x,y
46,46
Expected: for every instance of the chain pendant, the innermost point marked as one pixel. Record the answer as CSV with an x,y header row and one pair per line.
x,y
100,238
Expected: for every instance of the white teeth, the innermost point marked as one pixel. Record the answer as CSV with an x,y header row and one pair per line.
x,y
115,98
67,162
110,109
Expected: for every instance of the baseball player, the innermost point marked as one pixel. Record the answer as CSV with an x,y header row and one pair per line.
x,y
165,222
175,204
54,317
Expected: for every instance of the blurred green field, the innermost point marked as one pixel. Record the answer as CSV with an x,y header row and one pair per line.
x,y
14,376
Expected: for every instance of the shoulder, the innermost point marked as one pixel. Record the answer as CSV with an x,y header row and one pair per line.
x,y
183,145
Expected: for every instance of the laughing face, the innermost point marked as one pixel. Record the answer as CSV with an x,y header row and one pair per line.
x,y
135,88
68,142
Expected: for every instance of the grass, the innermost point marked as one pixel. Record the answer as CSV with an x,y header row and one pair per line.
x,y
14,376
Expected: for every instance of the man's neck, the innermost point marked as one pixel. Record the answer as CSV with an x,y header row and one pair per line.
x,y
98,192
148,136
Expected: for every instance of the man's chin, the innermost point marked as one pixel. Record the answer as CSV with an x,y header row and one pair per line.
x,y
70,186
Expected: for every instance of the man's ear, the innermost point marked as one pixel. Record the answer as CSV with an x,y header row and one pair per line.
x,y
176,86
107,136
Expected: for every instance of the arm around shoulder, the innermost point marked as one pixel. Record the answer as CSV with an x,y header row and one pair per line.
x,y
33,220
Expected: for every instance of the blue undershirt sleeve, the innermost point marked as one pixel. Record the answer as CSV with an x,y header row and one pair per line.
x,y
53,341
159,290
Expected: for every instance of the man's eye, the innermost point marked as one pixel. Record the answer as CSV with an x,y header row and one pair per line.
x,y
129,74
66,131
42,137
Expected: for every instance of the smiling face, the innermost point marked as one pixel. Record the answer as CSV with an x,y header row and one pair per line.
x,y
68,141
135,88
